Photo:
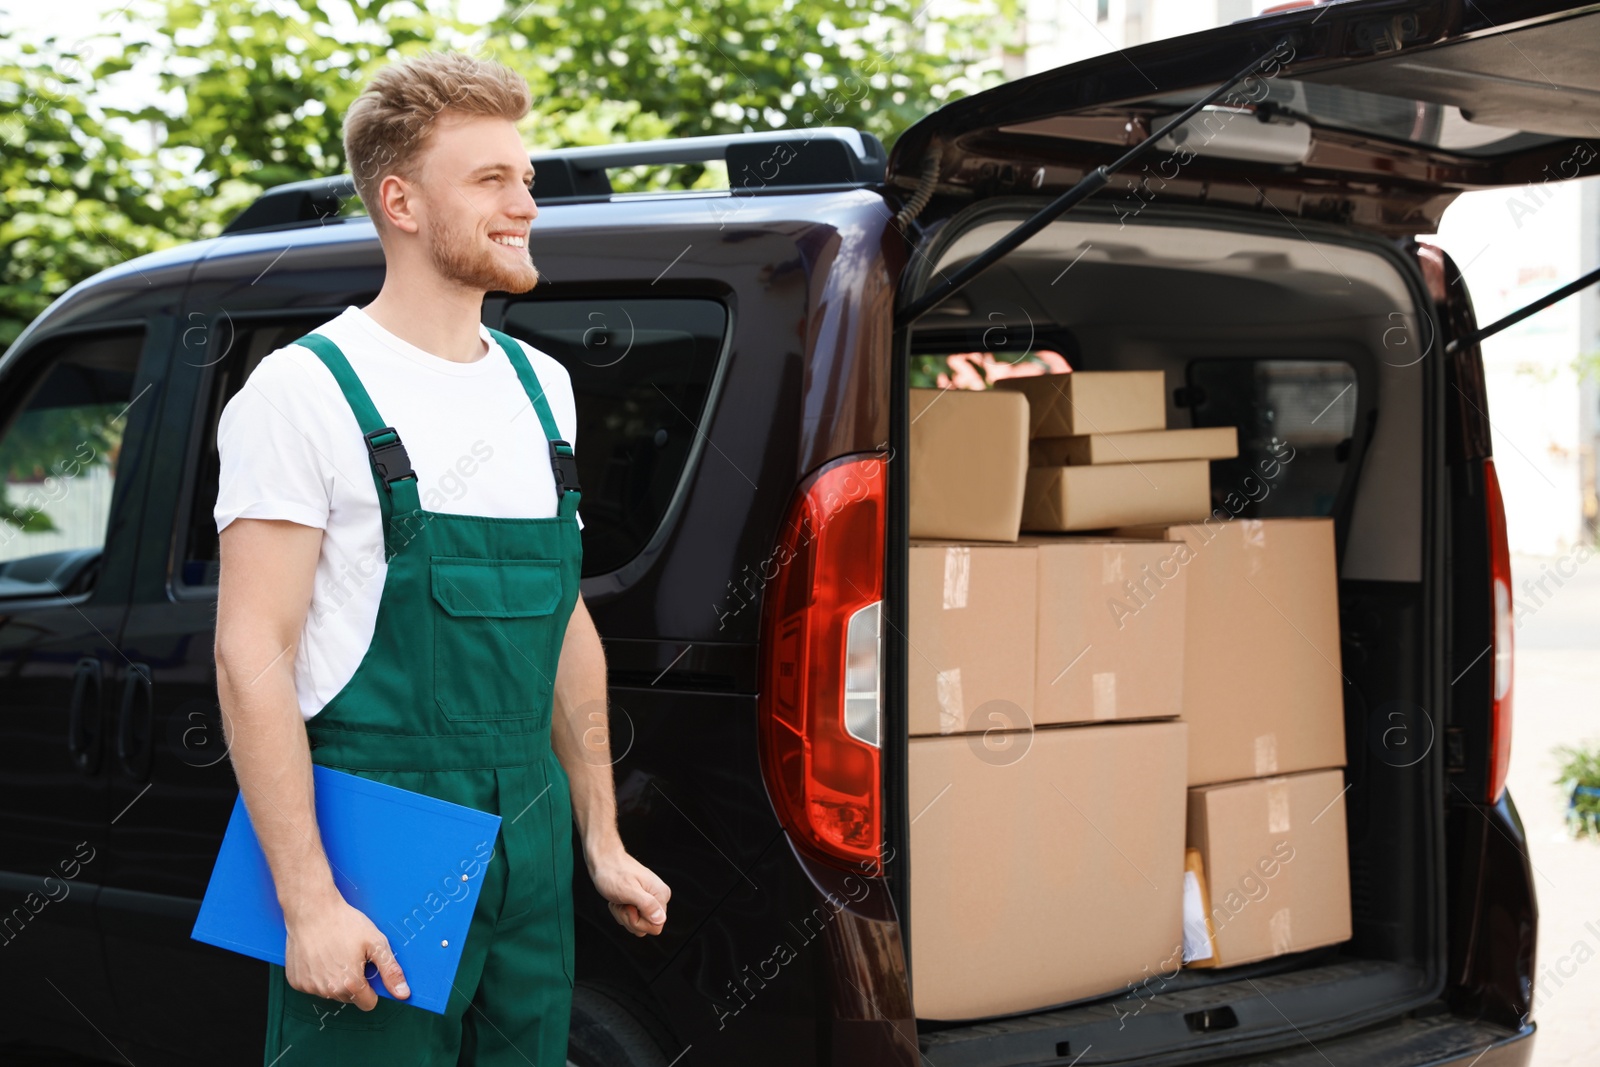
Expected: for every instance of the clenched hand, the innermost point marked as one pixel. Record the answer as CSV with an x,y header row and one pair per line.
x,y
636,896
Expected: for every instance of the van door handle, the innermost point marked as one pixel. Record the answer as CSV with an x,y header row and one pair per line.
x,y
134,720
86,715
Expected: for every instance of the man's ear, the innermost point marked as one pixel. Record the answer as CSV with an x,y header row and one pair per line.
x,y
394,200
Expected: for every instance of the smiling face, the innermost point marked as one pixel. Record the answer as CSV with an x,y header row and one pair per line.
x,y
473,203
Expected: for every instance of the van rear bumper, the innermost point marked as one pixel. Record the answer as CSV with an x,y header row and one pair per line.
x,y
1330,1011
1439,1041
1435,1041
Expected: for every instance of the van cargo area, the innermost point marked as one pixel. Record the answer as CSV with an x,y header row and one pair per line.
x,y
1313,343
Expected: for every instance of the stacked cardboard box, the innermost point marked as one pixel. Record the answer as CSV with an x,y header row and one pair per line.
x,y
1048,630
1262,684
1027,783
970,624
1086,450
969,460
1048,865
1082,707
1100,455
1268,871
1263,694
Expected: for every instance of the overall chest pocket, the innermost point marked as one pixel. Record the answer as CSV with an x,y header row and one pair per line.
x,y
496,636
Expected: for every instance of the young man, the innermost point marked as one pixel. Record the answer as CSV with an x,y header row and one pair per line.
x,y
401,610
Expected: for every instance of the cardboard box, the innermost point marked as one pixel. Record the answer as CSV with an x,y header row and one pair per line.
x,y
1095,498
1048,865
1263,690
1110,630
1276,868
969,456
1091,401
970,614
1149,446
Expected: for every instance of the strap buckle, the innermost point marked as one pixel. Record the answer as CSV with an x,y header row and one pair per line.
x,y
564,464
389,458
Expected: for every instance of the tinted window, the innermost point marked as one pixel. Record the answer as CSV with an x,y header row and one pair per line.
x,y
1295,420
641,376
239,347
60,453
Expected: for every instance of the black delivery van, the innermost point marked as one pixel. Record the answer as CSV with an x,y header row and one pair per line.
x,y
734,355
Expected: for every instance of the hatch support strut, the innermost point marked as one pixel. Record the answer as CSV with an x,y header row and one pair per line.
x,y
1532,309
1090,183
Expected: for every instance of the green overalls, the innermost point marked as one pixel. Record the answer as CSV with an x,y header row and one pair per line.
x,y
453,698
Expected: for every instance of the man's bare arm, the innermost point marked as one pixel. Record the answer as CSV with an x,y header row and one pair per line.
x,y
581,739
263,595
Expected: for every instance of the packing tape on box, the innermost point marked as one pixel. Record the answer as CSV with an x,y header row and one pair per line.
x,y
1046,411
1105,695
1266,755
1278,929
1111,569
947,687
957,576
1254,536
1277,807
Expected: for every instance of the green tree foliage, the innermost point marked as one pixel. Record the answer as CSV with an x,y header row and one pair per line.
x,y
632,69
74,199
259,88
263,84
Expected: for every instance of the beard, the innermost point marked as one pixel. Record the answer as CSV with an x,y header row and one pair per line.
x,y
460,256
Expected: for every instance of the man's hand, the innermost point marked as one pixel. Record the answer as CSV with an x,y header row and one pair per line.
x,y
636,896
580,738
329,945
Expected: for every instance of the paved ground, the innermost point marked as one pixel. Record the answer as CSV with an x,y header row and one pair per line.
x,y
1557,701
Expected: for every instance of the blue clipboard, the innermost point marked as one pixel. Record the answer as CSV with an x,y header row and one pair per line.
x,y
396,855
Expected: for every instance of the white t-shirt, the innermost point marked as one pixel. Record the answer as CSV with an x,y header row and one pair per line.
x,y
290,448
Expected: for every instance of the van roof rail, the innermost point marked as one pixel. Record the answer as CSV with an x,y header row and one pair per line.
x,y
829,156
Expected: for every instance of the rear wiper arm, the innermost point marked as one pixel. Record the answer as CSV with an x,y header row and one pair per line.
x,y
1090,183
1517,316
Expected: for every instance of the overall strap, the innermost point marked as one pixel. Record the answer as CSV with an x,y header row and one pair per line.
x,y
563,461
391,467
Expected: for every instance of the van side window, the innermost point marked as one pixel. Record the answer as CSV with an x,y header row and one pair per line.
x,y
1296,418
641,375
241,345
59,451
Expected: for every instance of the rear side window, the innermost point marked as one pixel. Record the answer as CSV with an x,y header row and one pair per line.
x,y
60,453
238,346
641,377
1296,420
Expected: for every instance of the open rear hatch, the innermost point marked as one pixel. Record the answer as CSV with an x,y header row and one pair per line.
x,y
1269,225
1372,114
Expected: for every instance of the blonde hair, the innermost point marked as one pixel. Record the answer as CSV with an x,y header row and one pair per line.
x,y
386,128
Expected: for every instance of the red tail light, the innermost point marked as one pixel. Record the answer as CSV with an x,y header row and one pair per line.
x,y
1500,590
821,665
